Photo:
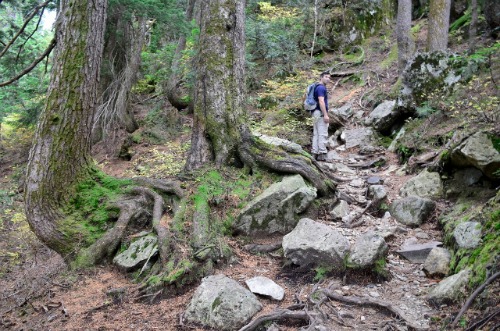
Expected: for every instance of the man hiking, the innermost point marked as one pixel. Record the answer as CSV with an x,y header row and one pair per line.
x,y
320,118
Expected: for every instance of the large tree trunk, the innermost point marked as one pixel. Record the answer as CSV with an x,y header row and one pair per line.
x,y
219,92
60,155
439,22
403,30
473,26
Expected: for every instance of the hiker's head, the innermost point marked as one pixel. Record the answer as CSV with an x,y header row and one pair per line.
x,y
324,77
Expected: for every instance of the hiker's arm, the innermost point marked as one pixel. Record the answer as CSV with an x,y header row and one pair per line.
x,y
322,106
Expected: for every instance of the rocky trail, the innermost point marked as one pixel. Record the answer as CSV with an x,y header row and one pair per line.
x,y
385,287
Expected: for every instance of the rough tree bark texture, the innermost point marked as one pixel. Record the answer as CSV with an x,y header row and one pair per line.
x,y
473,26
61,151
403,30
439,22
219,92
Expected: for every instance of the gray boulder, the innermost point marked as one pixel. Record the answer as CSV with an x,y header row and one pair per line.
x,y
266,287
450,289
437,262
417,253
467,234
138,253
412,211
377,192
368,248
345,111
383,117
221,303
340,210
426,185
312,243
358,137
277,208
429,73
477,151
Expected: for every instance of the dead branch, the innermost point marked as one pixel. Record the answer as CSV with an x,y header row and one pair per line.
x,y
276,316
372,302
473,296
483,321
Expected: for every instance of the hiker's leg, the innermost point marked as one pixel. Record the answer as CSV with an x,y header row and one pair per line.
x,y
315,140
322,136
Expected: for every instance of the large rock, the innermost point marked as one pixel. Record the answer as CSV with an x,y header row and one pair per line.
x,y
412,211
368,248
467,234
437,262
429,73
312,243
425,185
266,287
340,210
358,137
417,253
221,303
450,289
478,151
277,208
140,251
383,117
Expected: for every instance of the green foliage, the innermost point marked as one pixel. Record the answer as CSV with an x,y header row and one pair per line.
x,y
322,272
425,110
273,37
22,100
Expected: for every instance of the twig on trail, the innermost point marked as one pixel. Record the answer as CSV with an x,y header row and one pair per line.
x,y
372,302
472,297
277,315
483,321
352,223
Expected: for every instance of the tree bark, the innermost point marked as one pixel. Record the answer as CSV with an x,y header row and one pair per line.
x,y
439,23
219,92
403,30
473,26
60,155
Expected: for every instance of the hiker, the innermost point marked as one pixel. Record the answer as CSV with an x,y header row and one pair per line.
x,y
320,118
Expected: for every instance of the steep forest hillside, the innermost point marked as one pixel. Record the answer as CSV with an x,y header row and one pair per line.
x,y
157,167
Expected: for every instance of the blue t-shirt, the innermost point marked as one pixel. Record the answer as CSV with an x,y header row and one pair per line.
x,y
320,91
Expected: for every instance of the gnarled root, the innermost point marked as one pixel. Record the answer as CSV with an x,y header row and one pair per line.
x,y
254,152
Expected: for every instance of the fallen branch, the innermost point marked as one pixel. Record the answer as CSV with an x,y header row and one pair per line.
x,y
265,248
472,297
373,302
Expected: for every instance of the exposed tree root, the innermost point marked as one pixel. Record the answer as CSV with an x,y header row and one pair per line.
x,y
374,303
254,152
281,314
256,248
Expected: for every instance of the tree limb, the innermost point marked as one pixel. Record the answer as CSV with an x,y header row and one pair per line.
x,y
28,19
32,65
472,297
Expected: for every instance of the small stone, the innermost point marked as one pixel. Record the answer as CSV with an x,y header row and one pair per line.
x,y
374,294
374,180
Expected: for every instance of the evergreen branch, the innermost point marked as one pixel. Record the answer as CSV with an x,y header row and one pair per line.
x,y
31,35
28,19
33,65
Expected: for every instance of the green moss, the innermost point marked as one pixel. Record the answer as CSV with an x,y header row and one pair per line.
x,y
88,211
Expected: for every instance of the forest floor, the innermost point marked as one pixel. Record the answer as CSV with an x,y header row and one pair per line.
x,y
38,292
